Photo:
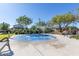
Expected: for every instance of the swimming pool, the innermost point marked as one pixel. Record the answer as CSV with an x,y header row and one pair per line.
x,y
34,37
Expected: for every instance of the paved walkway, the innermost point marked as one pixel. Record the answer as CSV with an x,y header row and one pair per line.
x,y
63,47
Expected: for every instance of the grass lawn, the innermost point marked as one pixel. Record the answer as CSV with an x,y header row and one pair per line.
x,y
5,35
75,36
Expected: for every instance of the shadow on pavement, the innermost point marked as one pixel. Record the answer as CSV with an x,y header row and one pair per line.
x,y
6,53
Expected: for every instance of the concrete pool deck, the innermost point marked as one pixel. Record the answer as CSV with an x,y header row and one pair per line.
x,y
63,47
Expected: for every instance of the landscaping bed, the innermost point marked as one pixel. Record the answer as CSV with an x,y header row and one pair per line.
x,y
75,36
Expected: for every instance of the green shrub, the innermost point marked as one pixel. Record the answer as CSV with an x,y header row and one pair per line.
x,y
48,30
75,36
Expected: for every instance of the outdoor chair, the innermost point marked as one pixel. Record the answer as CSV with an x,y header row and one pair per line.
x,y
3,43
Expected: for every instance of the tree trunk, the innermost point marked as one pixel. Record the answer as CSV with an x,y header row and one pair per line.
x,y
60,28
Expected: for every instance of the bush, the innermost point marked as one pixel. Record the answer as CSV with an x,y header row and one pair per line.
x,y
75,36
32,30
20,31
48,30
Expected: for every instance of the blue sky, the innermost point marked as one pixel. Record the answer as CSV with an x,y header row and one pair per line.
x,y
10,11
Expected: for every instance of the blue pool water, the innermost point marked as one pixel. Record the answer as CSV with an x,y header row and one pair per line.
x,y
33,37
